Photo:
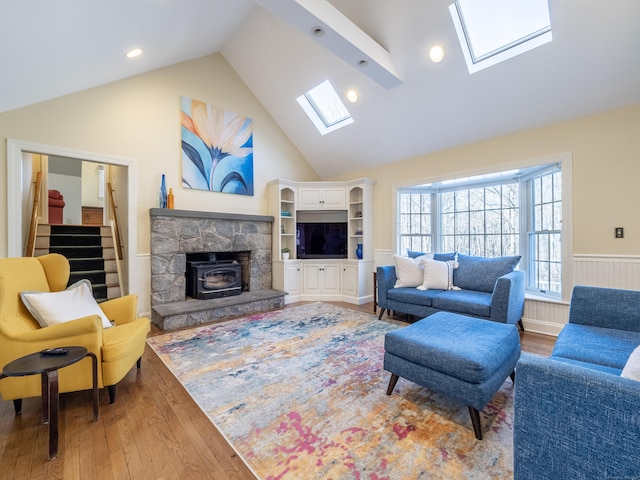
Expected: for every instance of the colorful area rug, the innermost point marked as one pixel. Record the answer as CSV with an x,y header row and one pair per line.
x,y
301,394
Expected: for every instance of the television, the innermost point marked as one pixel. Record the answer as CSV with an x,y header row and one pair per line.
x,y
321,240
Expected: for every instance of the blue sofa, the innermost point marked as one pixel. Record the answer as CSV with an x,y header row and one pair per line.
x,y
490,289
575,416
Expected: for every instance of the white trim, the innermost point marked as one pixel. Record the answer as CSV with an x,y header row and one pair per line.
x,y
598,257
540,326
15,151
566,167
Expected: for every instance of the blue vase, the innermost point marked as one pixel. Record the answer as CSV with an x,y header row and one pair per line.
x,y
359,251
162,195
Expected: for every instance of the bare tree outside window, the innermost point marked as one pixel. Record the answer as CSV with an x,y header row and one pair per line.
x,y
482,221
545,262
415,222
507,213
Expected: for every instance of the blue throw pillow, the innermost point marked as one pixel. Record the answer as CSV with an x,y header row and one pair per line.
x,y
444,257
481,273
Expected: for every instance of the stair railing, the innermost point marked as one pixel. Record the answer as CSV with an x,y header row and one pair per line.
x,y
118,265
116,228
33,225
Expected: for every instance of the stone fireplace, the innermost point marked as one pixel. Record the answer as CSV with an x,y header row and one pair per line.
x,y
176,233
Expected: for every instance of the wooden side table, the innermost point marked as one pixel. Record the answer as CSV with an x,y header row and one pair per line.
x,y
47,366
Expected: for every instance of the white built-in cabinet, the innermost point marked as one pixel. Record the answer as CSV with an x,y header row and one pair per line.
x,y
319,197
349,279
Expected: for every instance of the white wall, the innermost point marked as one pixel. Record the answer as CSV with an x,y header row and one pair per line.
x,y
70,187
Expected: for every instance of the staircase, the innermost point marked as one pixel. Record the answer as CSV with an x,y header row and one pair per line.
x,y
91,254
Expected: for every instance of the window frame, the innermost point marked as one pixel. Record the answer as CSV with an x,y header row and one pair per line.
x,y
517,46
563,161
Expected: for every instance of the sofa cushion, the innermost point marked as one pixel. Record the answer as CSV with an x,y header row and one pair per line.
x,y
464,301
590,366
409,273
480,273
437,275
602,346
413,296
632,367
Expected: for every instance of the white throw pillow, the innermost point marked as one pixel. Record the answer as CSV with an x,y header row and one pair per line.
x,y
437,275
408,272
632,368
50,308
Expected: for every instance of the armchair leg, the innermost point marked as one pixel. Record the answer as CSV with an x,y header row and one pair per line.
x,y
139,362
17,406
521,325
112,393
475,420
382,310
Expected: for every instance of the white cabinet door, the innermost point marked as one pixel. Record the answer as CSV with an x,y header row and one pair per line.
x,y
331,279
292,278
350,279
311,282
322,198
334,198
309,198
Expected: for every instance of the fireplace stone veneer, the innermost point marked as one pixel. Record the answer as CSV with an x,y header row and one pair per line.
x,y
174,233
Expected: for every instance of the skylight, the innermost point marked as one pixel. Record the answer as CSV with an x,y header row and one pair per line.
x,y
324,107
492,31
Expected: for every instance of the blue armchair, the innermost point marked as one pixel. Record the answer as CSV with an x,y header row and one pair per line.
x,y
575,417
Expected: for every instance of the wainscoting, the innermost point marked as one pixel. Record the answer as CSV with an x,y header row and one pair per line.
x,y
613,271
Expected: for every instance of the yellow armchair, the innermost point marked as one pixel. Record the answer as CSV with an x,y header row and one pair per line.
x,y
117,348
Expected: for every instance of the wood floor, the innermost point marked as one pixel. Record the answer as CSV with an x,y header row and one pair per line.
x,y
154,430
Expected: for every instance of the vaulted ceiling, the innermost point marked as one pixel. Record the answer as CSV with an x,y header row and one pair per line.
x,y
51,49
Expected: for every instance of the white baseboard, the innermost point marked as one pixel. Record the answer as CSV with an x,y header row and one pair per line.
x,y
542,327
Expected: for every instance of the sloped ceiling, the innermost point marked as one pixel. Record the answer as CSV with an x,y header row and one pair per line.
x,y
591,65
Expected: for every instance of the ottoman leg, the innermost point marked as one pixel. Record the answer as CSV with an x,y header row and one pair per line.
x,y
392,383
475,420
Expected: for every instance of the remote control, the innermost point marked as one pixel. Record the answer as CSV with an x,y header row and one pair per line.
x,y
54,351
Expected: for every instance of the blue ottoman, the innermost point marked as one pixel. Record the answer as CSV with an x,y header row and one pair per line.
x,y
464,358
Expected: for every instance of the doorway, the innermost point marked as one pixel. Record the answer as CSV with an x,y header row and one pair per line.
x,y
20,158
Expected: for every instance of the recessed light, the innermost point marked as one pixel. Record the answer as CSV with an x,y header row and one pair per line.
x,y
135,52
352,96
317,31
363,63
436,54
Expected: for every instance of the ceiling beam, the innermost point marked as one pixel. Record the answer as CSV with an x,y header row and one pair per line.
x,y
322,22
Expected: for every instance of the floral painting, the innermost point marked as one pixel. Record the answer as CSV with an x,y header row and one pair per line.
x,y
217,149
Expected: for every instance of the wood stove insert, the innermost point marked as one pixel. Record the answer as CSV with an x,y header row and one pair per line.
x,y
211,277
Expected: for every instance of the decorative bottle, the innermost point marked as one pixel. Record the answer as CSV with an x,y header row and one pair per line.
x,y
170,199
162,195
359,251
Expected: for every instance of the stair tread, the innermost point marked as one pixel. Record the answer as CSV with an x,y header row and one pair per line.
x,y
88,257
